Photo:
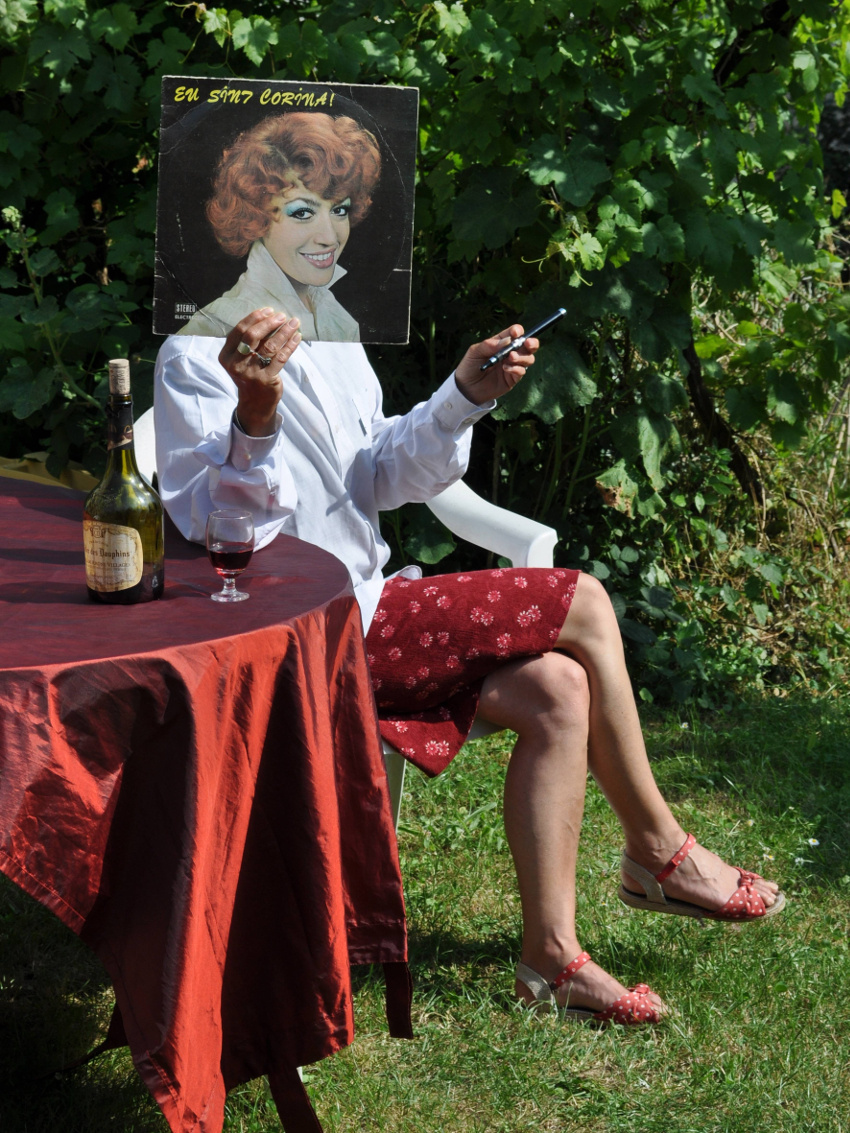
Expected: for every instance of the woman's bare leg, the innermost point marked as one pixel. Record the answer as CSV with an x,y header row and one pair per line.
x,y
618,762
572,710
546,701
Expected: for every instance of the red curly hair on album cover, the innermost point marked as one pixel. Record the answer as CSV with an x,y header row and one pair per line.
x,y
334,157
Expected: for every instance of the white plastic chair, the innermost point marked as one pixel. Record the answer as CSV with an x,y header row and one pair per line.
x,y
144,442
523,542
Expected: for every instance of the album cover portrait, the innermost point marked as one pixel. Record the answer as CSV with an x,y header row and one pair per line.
x,y
295,196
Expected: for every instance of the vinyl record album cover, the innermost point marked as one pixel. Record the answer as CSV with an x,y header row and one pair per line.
x,y
296,196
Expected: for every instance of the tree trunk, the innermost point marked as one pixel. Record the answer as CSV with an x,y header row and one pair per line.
x,y
717,430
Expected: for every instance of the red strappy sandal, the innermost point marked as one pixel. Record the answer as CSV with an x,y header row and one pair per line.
x,y
632,1008
745,904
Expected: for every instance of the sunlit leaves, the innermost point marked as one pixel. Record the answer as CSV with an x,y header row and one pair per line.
x,y
806,63
380,50
607,97
626,160
643,437
426,69
60,51
66,12
785,399
559,381
617,487
217,24
15,15
115,25
451,20
254,35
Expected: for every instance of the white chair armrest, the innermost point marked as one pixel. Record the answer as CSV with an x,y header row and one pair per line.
x,y
524,542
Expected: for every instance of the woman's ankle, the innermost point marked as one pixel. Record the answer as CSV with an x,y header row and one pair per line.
x,y
548,957
653,850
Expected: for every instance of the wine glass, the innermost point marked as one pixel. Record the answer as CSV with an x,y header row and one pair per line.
x,y
230,544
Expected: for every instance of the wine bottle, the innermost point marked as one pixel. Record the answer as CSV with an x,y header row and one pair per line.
x,y
122,521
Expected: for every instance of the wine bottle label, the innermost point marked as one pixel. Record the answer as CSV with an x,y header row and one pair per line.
x,y
114,556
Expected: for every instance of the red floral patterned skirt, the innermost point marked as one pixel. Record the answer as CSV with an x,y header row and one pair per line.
x,y
434,640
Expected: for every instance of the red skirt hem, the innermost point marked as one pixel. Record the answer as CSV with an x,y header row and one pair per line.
x,y
433,641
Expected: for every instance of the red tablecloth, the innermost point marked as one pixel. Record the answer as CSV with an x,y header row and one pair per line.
x,y
197,790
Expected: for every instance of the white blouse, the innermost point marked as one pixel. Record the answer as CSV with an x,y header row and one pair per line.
x,y
332,465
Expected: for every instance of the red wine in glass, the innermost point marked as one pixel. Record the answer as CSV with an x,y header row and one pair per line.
x,y
230,544
230,558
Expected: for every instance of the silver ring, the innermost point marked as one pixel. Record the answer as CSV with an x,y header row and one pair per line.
x,y
244,348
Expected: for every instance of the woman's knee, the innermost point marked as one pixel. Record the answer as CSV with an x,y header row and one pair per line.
x,y
549,692
561,682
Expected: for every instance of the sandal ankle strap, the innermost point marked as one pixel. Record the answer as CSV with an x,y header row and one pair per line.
x,y
651,882
677,858
543,991
570,970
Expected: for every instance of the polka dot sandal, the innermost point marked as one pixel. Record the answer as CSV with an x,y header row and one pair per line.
x,y
632,1008
745,904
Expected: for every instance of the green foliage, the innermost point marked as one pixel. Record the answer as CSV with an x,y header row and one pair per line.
x,y
655,168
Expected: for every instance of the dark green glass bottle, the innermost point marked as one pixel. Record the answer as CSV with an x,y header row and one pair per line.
x,y
122,521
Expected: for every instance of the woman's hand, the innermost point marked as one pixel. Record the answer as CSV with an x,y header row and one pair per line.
x,y
254,354
478,386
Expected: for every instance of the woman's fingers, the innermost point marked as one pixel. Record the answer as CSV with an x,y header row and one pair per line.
x,y
254,327
281,343
260,339
498,377
518,361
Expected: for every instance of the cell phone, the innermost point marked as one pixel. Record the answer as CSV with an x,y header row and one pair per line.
x,y
533,333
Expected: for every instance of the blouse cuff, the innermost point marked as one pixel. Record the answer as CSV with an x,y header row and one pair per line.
x,y
455,412
233,446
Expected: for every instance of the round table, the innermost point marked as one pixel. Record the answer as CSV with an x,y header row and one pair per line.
x,y
197,790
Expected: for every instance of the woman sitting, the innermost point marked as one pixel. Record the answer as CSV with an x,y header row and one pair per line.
x,y
295,432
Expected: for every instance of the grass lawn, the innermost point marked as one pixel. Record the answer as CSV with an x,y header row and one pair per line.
x,y
761,1036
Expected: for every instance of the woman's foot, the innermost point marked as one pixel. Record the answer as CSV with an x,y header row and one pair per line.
x,y
691,875
588,988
